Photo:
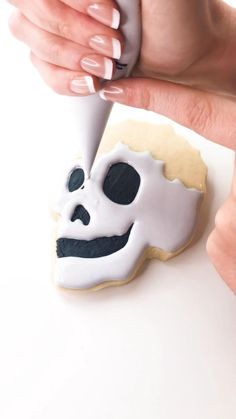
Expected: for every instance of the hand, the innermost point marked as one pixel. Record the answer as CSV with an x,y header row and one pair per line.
x,y
73,42
190,42
221,245
182,41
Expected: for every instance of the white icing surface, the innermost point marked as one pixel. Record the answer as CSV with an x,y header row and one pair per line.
x,y
163,215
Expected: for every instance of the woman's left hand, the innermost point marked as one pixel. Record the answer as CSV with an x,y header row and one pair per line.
x,y
221,245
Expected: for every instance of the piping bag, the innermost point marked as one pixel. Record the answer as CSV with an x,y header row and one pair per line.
x,y
92,112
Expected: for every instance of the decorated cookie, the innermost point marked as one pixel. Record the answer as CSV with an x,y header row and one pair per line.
x,y
141,201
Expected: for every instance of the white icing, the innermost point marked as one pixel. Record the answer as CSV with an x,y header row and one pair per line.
x,y
163,215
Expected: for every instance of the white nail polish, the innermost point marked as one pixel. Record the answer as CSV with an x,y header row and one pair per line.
x,y
108,69
101,94
116,45
90,84
113,93
81,84
115,19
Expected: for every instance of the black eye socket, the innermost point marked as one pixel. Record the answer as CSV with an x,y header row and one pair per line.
x,y
121,184
76,179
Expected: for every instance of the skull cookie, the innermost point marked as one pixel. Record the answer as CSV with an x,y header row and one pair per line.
x,y
141,201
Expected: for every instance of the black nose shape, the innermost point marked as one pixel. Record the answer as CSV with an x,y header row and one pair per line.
x,y
80,213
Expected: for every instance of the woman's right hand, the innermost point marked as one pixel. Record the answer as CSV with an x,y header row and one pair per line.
x,y
73,43
221,244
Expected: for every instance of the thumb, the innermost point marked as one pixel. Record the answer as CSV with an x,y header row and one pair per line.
x,y
206,113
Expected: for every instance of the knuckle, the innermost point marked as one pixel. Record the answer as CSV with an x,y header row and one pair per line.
x,y
56,89
228,122
73,58
50,77
131,95
223,220
219,220
225,223
33,60
212,245
54,51
64,30
139,97
147,101
31,56
14,23
233,194
55,84
199,113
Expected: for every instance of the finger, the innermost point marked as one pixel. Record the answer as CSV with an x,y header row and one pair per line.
x,y
225,222
234,182
104,11
59,19
221,245
209,115
66,82
224,262
56,50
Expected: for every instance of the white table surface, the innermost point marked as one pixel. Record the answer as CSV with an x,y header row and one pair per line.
x,y
161,347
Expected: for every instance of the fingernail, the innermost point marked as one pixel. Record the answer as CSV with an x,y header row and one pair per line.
x,y
105,14
113,93
82,85
99,66
106,45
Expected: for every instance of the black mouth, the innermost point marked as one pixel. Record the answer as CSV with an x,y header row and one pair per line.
x,y
91,249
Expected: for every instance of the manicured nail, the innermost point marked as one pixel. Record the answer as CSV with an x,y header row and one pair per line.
x,y
82,85
99,66
106,45
105,14
112,93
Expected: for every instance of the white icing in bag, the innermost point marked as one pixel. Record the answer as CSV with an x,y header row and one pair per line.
x,y
91,112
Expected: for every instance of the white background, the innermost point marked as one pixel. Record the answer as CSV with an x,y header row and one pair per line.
x,y
162,347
